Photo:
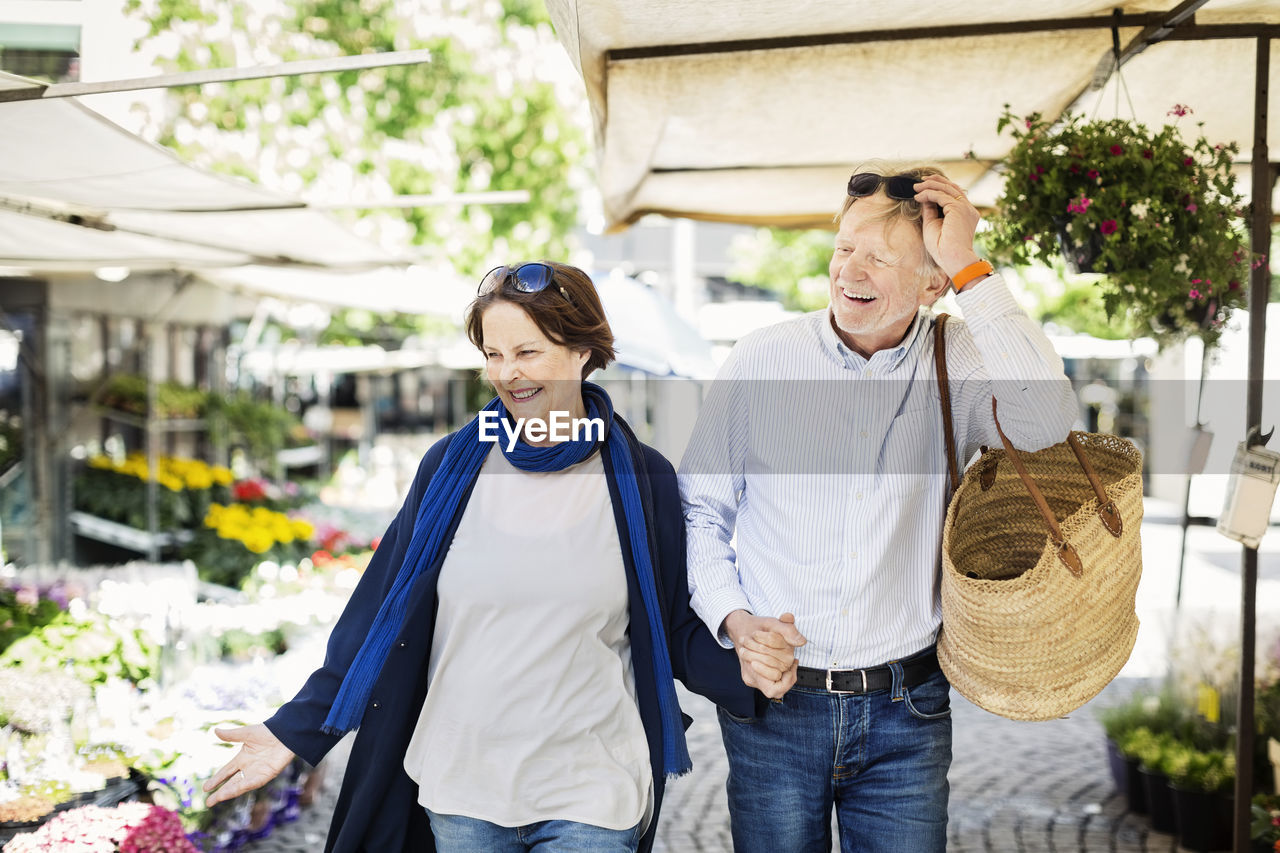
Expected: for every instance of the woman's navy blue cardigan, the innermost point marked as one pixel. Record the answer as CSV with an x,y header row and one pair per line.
x,y
377,810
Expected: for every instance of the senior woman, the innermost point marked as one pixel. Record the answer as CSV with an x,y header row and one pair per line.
x,y
508,655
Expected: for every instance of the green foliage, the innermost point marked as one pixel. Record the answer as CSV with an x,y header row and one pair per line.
x,y
19,616
127,392
791,263
481,115
262,429
1154,713
10,440
1161,218
1265,828
93,648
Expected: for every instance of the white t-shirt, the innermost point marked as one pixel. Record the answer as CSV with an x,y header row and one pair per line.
x,y
531,713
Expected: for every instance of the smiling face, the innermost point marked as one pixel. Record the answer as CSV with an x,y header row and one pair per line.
x,y
533,375
879,277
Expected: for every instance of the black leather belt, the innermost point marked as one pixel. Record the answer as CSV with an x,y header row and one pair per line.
x,y
915,671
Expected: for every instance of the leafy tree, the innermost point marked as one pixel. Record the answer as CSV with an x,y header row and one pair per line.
x,y
792,263
487,112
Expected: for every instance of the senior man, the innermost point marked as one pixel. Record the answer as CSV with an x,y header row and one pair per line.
x,y
820,445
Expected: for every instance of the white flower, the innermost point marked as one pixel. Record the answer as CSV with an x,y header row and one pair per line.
x,y
1140,209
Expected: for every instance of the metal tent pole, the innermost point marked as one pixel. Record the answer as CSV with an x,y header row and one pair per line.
x,y
1259,287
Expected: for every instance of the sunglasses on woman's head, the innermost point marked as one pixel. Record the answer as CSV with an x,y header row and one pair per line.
x,y
526,278
898,187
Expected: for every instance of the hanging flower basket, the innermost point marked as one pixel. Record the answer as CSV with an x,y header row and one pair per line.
x,y
1158,218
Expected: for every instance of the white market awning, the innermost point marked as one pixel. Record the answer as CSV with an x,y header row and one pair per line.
x,y
756,111
79,192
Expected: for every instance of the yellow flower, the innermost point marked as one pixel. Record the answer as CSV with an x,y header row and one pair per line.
x,y
170,482
258,542
101,462
302,529
222,476
198,479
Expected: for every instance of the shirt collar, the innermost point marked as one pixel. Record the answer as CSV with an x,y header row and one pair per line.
x,y
836,347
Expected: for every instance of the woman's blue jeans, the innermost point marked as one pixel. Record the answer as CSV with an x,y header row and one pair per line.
x,y
458,834
880,758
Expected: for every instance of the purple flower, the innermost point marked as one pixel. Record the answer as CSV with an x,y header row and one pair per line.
x,y
1109,227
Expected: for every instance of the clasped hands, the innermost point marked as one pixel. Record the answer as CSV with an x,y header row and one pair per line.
x,y
766,650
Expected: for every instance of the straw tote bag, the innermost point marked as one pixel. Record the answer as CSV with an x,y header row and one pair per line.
x,y
1041,558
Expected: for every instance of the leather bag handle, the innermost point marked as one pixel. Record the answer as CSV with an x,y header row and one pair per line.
x,y
1107,511
944,390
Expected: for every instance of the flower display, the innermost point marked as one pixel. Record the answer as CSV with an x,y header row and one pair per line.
x,y
127,828
116,489
237,536
1265,828
1157,217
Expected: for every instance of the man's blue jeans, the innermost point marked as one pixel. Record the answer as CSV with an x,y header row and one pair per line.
x,y
458,834
880,758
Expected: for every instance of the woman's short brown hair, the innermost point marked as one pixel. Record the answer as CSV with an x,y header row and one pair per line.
x,y
568,311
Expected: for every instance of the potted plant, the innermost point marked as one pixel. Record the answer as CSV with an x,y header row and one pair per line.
x,y
1153,751
1200,781
1157,217
1149,713
1265,828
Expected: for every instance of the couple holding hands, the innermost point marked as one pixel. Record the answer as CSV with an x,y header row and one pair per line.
x,y
508,659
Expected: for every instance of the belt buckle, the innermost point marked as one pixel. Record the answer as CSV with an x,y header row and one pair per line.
x,y
862,672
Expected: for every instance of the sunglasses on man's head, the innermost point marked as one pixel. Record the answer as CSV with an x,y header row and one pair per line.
x,y
898,187
526,278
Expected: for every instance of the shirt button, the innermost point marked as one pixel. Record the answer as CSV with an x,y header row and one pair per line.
x,y
858,496
867,373
844,612
853,555
376,705
863,433
402,645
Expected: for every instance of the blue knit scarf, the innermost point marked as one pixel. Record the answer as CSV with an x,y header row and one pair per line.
x,y
458,470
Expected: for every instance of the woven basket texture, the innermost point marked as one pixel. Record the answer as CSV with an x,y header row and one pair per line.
x,y
1021,635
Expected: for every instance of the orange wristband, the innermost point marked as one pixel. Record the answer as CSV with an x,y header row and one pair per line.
x,y
969,273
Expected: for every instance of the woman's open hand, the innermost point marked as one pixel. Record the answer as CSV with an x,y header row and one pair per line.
x,y
261,758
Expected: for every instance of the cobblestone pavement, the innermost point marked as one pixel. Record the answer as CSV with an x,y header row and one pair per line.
x,y
1015,788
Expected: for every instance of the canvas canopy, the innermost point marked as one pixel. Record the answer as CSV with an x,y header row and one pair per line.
x,y
756,111
78,192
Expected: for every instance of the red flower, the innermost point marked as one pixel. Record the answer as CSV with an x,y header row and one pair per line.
x,y
1187,161
1093,173
249,490
1117,150
1109,227
1146,153
1034,176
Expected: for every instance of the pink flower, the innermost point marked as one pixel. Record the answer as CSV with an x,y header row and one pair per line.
x,y
1028,124
1109,227
1192,207
1179,110
1116,150
1193,293
1079,205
